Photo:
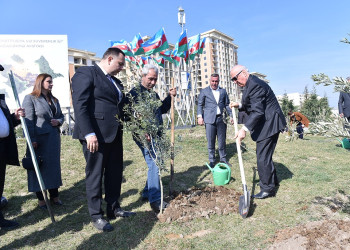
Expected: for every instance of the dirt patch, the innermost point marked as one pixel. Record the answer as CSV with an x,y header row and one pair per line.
x,y
331,205
326,234
332,232
201,203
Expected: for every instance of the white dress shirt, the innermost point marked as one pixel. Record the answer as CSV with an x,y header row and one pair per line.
x,y
216,94
4,125
119,91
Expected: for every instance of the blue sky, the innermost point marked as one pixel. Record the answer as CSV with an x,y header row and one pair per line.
x,y
286,40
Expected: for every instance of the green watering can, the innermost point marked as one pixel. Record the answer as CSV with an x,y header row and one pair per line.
x,y
345,143
221,174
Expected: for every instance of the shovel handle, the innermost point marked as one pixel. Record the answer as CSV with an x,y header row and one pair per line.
x,y
238,145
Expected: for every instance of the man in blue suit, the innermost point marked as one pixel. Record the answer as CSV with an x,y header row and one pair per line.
x,y
212,102
264,122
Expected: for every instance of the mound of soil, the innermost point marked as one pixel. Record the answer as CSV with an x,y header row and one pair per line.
x,y
196,203
326,234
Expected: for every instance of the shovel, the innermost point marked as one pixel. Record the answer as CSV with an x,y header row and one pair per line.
x,y
244,200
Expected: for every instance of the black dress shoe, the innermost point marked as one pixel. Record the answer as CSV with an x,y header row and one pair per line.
x,y
156,206
263,195
118,212
3,202
102,224
143,198
57,203
212,164
8,224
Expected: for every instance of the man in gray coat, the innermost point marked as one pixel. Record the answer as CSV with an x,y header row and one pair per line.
x,y
212,102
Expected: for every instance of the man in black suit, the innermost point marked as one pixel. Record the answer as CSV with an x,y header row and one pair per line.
x,y
344,104
8,149
265,121
97,99
212,102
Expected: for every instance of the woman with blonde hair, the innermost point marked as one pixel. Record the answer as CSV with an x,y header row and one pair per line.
x,y
43,118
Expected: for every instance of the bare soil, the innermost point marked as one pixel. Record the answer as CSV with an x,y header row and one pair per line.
x,y
201,203
326,234
330,233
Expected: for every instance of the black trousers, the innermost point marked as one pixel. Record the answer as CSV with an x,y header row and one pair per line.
x,y
266,169
300,130
107,162
217,129
2,166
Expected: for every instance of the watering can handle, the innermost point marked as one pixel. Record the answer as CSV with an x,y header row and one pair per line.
x,y
209,167
229,174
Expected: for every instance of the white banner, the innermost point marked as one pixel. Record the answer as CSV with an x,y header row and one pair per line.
x,y
30,55
184,83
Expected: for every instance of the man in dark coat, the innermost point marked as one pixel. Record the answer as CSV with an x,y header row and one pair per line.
x,y
8,149
344,104
212,102
265,121
97,99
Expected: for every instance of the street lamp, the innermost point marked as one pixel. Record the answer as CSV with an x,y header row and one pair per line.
x,y
181,17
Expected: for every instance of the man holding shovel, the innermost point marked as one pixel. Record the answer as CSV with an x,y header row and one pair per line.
x,y
265,121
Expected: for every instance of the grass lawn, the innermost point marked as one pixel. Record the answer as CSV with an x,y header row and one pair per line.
x,y
307,169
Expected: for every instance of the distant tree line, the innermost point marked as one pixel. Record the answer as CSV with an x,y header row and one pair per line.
x,y
314,108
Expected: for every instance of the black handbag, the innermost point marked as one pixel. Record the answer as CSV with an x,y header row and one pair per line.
x,y
27,162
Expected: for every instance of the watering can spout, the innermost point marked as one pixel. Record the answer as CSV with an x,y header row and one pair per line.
x,y
211,169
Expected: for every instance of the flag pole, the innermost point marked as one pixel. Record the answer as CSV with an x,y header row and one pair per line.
x,y
195,84
32,152
172,141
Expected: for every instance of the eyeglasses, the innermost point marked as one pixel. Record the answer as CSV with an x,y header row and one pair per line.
x,y
235,77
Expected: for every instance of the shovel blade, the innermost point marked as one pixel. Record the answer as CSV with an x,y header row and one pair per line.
x,y
243,206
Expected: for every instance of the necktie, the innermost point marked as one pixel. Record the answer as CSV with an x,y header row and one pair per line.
x,y
114,86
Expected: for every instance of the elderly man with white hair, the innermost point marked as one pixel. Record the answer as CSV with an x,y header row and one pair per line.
x,y
264,122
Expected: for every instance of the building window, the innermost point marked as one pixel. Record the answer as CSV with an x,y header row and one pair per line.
x,y
84,61
206,76
205,64
205,52
205,70
205,58
76,60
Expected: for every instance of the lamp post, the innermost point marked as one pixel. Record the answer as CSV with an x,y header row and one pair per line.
x,y
181,17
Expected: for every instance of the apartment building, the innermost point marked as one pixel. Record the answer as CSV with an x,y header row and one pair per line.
x,y
78,58
219,56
